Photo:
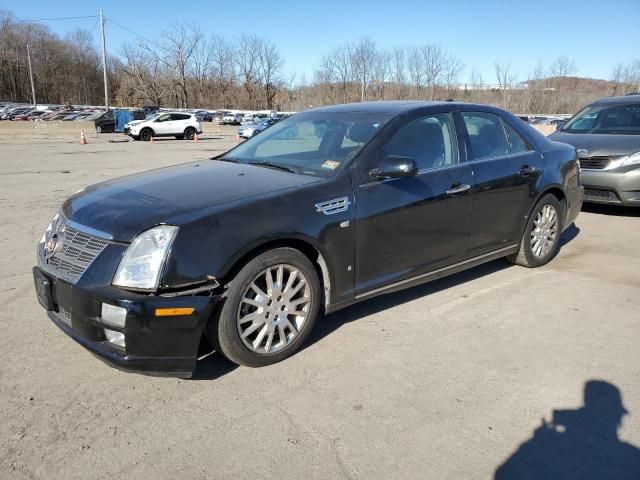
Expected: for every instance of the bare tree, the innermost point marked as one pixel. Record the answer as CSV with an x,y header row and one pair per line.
x,y
506,80
363,56
563,67
247,54
270,69
475,77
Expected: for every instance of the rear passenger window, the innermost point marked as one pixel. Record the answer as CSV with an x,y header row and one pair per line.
x,y
486,135
430,141
516,142
180,116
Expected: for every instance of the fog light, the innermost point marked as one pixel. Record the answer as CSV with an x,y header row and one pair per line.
x,y
117,338
112,315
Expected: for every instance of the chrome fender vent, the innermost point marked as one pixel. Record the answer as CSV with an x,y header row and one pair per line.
x,y
336,205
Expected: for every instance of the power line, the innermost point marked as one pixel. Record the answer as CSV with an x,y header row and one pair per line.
x,y
136,34
20,20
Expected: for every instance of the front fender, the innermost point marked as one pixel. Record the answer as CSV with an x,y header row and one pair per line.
x,y
214,244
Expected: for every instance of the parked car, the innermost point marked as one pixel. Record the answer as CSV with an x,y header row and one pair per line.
x,y
248,247
171,124
251,129
606,135
232,119
203,116
24,116
106,123
12,113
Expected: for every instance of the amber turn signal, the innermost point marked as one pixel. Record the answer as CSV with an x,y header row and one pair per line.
x,y
172,312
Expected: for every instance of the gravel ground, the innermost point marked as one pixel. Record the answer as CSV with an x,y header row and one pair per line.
x,y
445,380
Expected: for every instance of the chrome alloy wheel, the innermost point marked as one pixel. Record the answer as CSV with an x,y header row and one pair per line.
x,y
544,231
274,308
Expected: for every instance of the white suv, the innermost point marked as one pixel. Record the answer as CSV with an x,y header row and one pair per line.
x,y
171,124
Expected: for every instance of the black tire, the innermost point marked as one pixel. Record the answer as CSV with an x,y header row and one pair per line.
x,y
146,134
179,137
98,129
525,255
223,330
189,133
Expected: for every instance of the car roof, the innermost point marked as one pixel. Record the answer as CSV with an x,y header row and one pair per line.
x,y
633,98
394,107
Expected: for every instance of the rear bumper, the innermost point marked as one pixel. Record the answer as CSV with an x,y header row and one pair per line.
x,y
165,346
618,187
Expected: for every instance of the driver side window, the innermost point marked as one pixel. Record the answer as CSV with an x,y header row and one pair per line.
x,y
430,141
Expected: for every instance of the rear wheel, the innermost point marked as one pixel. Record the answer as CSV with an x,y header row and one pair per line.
x,y
541,236
269,309
146,134
189,133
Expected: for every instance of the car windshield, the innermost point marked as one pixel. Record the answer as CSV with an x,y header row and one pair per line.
x,y
311,143
611,119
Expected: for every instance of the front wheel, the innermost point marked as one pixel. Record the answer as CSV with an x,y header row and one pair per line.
x,y
269,309
189,133
541,237
146,135
98,129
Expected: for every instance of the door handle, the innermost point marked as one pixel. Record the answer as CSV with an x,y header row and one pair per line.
x,y
457,188
526,170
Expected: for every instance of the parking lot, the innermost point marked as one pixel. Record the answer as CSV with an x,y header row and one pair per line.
x,y
444,380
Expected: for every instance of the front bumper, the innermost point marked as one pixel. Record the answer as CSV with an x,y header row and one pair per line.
x,y
619,187
166,346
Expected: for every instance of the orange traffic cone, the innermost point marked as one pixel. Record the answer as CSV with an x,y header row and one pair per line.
x,y
151,139
83,141
195,137
237,137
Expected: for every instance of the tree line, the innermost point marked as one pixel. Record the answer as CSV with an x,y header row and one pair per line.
x,y
184,67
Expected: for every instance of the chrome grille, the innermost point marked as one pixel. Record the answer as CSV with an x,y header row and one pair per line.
x,y
76,252
594,163
600,194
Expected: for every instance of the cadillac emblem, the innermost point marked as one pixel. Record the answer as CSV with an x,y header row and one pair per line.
x,y
51,246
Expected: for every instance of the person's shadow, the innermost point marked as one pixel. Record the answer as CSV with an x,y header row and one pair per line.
x,y
578,444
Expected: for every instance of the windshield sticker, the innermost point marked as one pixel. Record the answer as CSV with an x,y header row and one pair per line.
x,y
331,164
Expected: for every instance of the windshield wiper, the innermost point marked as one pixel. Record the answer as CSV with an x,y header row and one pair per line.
x,y
226,159
274,165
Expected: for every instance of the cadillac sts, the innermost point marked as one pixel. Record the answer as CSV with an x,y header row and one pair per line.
x,y
326,208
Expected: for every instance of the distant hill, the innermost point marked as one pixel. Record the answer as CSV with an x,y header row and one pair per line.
x,y
585,85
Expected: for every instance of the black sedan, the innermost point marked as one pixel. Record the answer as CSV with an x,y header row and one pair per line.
x,y
324,209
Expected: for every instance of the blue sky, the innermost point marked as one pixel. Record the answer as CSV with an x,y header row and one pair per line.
x,y
597,34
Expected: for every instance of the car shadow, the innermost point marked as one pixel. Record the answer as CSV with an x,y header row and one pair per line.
x,y
215,365
612,210
327,324
578,444
568,235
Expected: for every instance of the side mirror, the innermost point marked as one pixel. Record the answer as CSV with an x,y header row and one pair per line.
x,y
559,125
394,166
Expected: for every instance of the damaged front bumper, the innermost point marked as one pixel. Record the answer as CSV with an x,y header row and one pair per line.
x,y
153,344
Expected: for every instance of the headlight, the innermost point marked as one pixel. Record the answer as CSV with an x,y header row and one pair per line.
x,y
633,159
142,262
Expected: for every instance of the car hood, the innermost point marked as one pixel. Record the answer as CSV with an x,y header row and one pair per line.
x,y
600,145
129,205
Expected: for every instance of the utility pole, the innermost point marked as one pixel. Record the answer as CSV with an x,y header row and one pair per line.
x,y
104,63
33,88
